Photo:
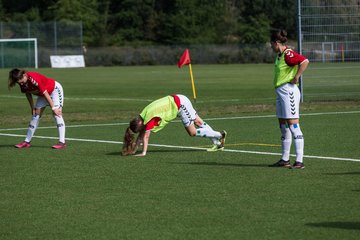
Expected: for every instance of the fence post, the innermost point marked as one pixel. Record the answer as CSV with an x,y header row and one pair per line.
x,y
300,47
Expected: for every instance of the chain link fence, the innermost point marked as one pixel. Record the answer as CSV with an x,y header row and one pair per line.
x,y
53,38
66,38
330,30
330,38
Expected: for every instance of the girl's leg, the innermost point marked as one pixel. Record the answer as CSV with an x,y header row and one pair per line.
x,y
297,134
286,140
58,98
34,124
206,129
60,123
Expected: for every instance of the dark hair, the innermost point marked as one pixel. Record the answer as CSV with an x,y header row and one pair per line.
x,y
15,75
135,125
130,144
279,35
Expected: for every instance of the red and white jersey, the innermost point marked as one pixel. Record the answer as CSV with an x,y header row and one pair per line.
x,y
293,58
38,84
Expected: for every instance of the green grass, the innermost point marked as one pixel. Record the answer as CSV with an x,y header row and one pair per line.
x,y
89,191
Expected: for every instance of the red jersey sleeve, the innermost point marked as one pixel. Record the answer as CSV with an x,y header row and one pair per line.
x,y
152,123
293,58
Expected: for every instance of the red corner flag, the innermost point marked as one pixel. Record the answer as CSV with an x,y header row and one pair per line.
x,y
185,59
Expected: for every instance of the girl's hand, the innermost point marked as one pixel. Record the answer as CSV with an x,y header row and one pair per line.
x,y
140,155
295,80
57,111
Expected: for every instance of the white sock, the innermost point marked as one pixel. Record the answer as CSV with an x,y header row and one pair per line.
x,y
206,131
32,127
214,140
298,140
61,128
286,140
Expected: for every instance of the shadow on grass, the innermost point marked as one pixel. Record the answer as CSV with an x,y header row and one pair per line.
x,y
114,153
160,151
174,150
216,164
32,146
341,225
7,146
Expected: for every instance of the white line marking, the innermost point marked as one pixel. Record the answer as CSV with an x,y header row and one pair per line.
x,y
185,147
91,99
69,126
206,119
108,99
268,116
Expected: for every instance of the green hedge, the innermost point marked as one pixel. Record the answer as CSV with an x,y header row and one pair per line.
x,y
168,55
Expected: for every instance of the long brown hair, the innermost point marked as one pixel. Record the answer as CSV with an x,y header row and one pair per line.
x,y
14,76
130,145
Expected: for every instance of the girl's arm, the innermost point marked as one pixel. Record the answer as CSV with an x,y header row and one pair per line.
x,y
31,102
300,71
56,111
145,140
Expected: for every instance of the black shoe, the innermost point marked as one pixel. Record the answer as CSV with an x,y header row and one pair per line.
x,y
298,165
281,163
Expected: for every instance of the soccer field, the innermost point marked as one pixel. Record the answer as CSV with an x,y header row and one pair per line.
x,y
180,191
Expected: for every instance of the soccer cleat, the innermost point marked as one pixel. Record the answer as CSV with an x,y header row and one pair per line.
x,y
223,137
23,144
298,165
59,145
215,148
281,163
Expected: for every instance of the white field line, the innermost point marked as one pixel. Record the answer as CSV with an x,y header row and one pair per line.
x,y
90,99
69,126
132,99
309,95
206,119
186,147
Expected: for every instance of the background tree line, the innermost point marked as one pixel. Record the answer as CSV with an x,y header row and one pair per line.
x,y
161,22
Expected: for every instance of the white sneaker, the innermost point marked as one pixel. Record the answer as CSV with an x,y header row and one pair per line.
x,y
215,148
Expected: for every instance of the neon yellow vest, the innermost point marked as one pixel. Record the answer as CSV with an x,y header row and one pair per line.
x,y
283,72
164,108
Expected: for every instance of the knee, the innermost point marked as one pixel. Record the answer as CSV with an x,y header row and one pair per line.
x,y
37,112
191,132
35,117
296,131
198,121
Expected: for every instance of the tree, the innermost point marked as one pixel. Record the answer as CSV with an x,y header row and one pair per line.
x,y
79,10
139,22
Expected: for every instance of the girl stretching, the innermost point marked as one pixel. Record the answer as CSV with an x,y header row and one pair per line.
x,y
49,92
158,114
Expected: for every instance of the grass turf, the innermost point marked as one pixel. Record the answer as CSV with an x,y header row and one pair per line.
x,y
89,191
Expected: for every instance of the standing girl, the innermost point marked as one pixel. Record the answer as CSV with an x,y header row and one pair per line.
x,y
49,92
289,66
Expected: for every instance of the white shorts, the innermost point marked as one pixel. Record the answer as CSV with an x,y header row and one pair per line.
x,y
57,96
287,101
187,112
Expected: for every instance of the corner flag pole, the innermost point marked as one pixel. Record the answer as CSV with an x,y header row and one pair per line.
x,y
185,60
192,82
